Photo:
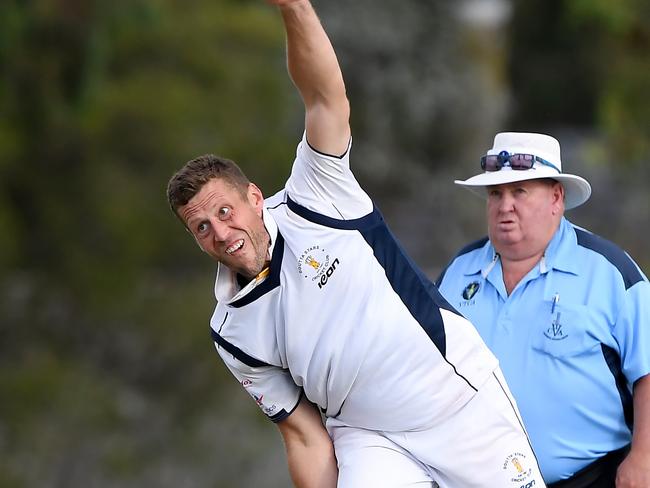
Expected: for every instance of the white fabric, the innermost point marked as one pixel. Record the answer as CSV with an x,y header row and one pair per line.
x,y
462,459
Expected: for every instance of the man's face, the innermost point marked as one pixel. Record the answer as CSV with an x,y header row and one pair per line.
x,y
523,216
229,226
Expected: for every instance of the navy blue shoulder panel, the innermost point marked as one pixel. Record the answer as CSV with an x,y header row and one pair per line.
x,y
467,249
614,254
472,246
236,352
365,222
415,290
272,281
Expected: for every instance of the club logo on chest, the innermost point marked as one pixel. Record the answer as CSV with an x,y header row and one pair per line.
x,y
316,265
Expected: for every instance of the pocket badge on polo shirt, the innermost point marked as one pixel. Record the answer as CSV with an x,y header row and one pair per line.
x,y
471,290
556,331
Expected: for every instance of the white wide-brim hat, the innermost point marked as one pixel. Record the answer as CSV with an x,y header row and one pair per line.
x,y
576,189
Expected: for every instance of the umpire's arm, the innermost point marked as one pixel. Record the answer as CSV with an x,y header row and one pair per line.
x,y
635,469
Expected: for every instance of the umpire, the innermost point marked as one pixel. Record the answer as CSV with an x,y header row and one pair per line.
x,y
566,312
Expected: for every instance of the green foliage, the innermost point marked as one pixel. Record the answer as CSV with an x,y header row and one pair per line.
x,y
617,18
105,294
596,48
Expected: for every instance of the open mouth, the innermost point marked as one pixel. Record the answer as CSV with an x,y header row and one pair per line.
x,y
230,250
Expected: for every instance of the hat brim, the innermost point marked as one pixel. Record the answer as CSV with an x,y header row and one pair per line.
x,y
577,190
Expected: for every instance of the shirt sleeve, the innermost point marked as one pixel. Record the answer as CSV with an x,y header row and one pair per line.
x,y
325,184
272,388
632,331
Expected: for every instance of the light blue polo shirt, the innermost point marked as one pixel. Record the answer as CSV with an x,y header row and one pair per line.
x,y
572,338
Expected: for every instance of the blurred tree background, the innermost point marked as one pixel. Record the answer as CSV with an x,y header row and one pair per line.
x,y
107,373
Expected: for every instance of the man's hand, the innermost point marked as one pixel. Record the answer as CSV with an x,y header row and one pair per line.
x,y
282,3
633,472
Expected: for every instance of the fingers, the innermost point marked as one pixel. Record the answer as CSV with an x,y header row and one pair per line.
x,y
284,3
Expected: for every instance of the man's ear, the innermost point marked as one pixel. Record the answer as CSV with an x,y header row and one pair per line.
x,y
558,198
255,198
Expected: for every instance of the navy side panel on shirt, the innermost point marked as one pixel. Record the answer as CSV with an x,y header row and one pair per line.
x,y
468,248
613,361
417,292
631,275
614,254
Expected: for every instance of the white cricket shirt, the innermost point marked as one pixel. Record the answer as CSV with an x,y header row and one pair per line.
x,y
344,315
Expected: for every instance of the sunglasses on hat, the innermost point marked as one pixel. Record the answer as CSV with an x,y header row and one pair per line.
x,y
494,162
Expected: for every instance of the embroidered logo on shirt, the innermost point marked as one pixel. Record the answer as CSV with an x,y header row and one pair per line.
x,y
471,289
555,332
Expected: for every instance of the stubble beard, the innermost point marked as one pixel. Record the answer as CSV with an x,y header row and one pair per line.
x,y
260,242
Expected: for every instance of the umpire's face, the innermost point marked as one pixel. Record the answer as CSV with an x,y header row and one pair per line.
x,y
523,216
227,224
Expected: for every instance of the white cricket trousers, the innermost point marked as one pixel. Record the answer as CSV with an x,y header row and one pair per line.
x,y
484,445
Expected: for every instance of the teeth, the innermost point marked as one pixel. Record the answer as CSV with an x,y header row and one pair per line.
x,y
237,245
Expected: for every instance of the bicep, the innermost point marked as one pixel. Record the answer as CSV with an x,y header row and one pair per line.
x,y
327,126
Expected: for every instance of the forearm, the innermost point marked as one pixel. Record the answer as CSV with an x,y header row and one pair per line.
x,y
310,453
314,69
311,59
634,471
312,466
641,434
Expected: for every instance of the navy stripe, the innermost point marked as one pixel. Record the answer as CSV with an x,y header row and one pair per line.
x,y
365,222
465,250
415,290
325,154
283,414
614,254
280,416
236,352
613,361
271,282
